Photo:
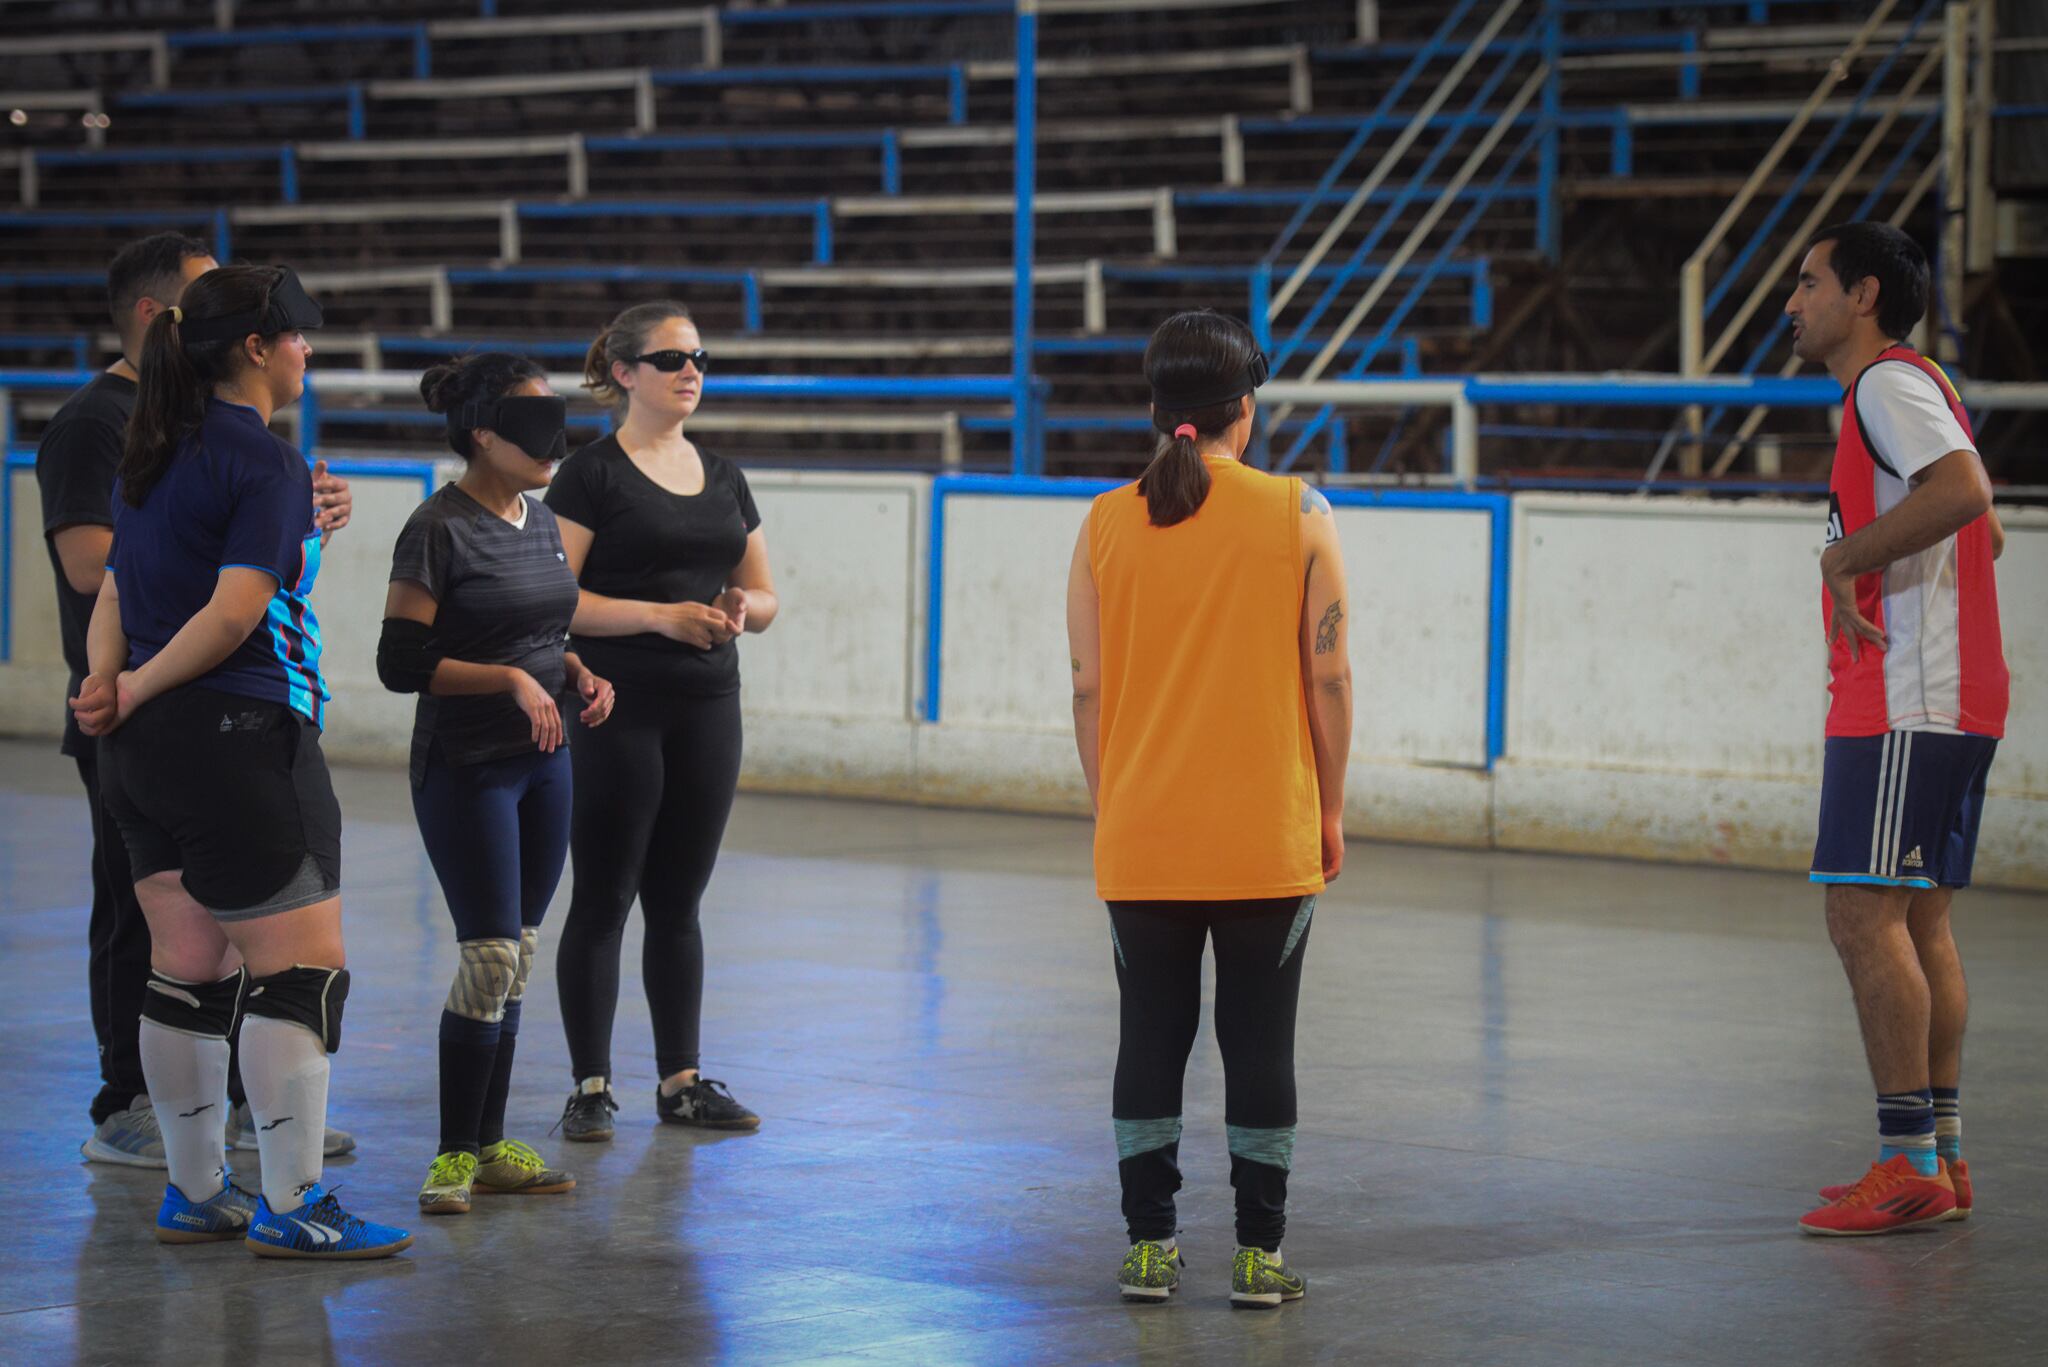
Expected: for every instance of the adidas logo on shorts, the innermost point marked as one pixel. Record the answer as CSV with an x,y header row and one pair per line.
x,y
1913,859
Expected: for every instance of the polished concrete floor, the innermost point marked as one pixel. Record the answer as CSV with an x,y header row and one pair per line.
x,y
1553,1111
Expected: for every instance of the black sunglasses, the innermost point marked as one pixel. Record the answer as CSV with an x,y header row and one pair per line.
x,y
669,362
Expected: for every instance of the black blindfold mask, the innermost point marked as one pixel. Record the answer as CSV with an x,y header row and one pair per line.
x,y
536,424
290,309
1243,383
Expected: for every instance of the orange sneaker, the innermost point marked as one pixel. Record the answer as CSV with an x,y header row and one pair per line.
x,y
1958,1172
1892,1195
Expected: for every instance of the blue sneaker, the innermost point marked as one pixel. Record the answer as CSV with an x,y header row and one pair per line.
x,y
224,1215
320,1228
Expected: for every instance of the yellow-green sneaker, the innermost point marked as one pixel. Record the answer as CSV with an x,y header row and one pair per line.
x,y
446,1191
1151,1272
510,1167
1258,1281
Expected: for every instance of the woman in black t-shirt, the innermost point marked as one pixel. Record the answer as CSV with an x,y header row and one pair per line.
x,y
475,622
673,565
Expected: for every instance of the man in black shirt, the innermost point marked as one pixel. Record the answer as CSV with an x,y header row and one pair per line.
x,y
76,462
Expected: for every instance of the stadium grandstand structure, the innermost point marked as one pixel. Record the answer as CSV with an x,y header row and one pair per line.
x,y
1424,209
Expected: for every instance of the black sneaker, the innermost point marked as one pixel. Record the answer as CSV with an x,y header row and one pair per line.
x,y
708,1105
587,1119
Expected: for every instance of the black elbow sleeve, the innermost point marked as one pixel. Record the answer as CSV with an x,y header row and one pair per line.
x,y
406,655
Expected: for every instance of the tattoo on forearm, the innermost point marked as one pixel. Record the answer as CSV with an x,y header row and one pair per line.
x,y
1312,499
1076,661
1326,630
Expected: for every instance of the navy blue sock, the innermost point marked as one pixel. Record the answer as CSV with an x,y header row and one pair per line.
x,y
1905,1125
491,1127
469,1055
1948,1122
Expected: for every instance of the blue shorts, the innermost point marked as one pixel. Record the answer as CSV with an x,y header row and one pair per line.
x,y
1901,810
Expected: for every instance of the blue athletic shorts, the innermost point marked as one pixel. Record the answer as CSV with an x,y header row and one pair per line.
x,y
1901,810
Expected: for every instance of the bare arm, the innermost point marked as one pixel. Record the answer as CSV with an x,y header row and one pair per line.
x,y
1997,533
1084,647
97,706
694,624
82,550
1946,496
1326,668
749,599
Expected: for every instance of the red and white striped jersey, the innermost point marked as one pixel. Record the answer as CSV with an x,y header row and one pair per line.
x,y
1943,665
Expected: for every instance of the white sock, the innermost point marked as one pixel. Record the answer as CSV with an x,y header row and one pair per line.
x,y
284,1069
1273,1257
188,1083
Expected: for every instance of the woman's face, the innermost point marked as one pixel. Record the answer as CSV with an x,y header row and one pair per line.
x,y
508,460
669,395
283,367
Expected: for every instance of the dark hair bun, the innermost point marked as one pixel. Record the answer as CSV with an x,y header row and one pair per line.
x,y
437,385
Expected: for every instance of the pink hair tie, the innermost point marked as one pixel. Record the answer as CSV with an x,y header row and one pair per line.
x,y
1186,429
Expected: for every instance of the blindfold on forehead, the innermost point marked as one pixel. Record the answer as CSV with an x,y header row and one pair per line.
x,y
536,424
1187,399
290,309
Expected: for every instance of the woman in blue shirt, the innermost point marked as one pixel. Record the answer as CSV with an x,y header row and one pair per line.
x,y
206,695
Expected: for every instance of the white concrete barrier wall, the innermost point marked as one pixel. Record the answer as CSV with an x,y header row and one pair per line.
x,y
1668,685
1665,681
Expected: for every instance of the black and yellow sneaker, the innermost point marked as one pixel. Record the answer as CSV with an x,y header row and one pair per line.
x,y
1258,1281
1151,1272
707,1104
509,1168
587,1119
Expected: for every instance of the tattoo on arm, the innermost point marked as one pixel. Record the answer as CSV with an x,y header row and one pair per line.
x,y
1326,630
1312,499
1076,661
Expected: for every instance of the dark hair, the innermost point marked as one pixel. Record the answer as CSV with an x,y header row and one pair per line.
x,y
1878,249
1191,352
175,380
479,377
149,269
622,339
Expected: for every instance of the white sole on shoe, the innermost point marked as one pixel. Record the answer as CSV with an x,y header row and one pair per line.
x,y
1145,1295
96,1152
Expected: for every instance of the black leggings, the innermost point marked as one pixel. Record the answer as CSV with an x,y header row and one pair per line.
x,y
118,946
654,786
1158,951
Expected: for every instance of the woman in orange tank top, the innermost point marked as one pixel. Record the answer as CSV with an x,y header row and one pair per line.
x,y
1212,708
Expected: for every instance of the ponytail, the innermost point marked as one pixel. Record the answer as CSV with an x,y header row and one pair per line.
x,y
1176,483
169,402
175,378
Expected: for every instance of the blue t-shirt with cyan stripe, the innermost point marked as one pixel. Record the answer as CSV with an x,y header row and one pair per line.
x,y
233,495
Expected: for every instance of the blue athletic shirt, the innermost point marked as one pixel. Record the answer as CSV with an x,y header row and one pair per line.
x,y
233,495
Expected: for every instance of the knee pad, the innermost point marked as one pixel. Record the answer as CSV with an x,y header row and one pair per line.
x,y
311,997
484,979
203,1009
529,941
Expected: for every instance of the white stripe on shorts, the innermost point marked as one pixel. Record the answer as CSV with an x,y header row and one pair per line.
x,y
1877,806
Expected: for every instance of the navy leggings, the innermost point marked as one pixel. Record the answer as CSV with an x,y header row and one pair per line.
x,y
497,833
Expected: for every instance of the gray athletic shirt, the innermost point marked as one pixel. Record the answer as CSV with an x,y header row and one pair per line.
x,y
506,596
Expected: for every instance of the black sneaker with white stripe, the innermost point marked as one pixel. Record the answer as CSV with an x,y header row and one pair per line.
x,y
707,1104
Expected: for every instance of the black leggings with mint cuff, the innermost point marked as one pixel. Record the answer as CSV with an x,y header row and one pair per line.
x,y
1158,953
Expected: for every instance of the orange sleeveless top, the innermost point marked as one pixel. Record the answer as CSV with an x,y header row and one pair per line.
x,y
1208,776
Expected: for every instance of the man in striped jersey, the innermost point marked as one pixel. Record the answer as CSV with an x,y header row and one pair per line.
x,y
1919,686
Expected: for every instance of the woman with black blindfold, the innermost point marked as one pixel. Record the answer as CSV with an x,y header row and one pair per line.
x,y
476,622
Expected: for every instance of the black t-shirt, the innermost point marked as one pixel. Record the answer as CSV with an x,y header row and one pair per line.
x,y
659,547
505,597
75,466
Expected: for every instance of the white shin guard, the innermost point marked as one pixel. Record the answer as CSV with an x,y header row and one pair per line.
x,y
284,1068
188,1085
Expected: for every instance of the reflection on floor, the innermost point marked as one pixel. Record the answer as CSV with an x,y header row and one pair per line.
x,y
1552,1111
